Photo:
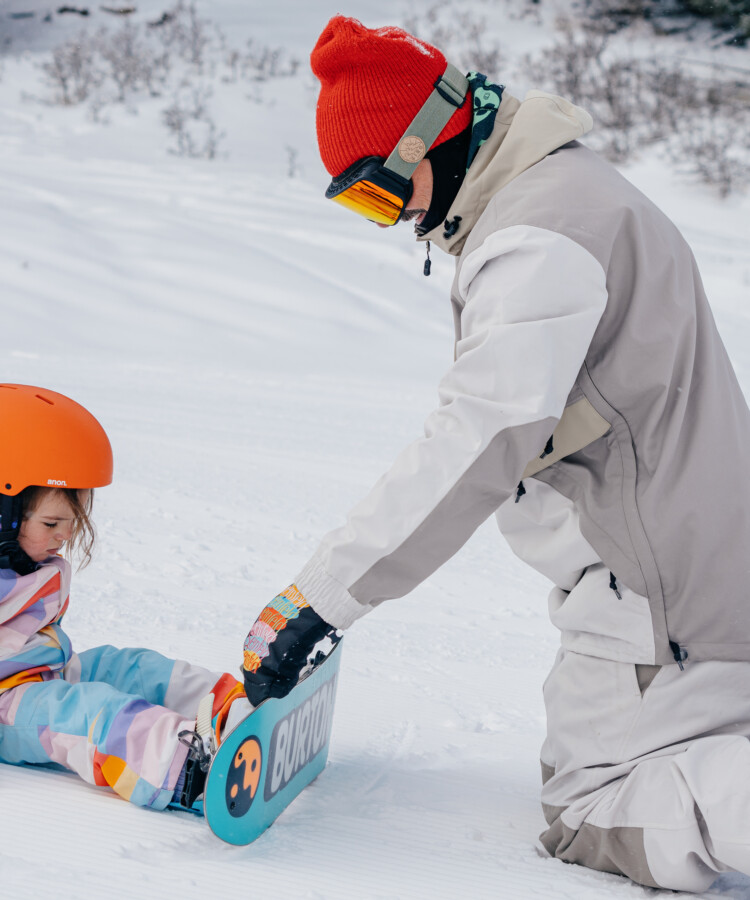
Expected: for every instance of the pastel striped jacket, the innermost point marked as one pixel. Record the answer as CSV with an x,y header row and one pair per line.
x,y
32,643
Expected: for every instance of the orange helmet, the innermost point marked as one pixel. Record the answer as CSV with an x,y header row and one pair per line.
x,y
49,440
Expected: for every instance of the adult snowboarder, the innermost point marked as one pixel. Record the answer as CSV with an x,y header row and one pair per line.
x,y
592,407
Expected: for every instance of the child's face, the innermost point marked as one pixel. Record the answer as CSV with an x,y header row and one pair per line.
x,y
48,527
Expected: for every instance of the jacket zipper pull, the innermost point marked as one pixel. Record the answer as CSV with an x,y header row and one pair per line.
x,y
427,262
679,653
548,448
520,491
613,585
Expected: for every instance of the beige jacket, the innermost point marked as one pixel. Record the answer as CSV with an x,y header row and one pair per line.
x,y
588,367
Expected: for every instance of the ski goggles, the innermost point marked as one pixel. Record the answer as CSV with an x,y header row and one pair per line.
x,y
379,189
371,190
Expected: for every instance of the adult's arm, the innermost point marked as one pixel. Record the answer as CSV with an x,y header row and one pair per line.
x,y
533,299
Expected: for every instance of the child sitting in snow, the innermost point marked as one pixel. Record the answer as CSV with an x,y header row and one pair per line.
x,y
118,718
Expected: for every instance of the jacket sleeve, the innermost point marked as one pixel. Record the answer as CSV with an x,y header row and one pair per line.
x,y
533,299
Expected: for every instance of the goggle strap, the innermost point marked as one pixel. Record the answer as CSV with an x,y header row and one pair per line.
x,y
448,96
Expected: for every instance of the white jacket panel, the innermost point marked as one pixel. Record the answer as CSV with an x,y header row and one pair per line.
x,y
544,530
533,299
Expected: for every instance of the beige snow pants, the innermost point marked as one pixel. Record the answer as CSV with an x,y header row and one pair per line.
x,y
646,769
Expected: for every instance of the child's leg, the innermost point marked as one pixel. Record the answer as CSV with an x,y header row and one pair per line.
x,y
176,684
647,772
104,735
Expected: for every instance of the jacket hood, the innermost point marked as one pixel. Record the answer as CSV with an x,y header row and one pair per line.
x,y
524,133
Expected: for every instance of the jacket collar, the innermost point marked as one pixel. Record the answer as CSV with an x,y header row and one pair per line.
x,y
524,133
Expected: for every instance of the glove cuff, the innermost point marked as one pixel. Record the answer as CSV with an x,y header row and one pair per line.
x,y
333,602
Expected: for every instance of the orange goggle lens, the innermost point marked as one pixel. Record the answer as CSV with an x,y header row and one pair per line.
x,y
371,201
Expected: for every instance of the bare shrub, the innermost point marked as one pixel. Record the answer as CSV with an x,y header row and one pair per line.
x,y
676,96
634,101
132,63
463,36
611,15
186,34
74,71
428,26
714,151
5,45
191,125
621,112
608,85
105,66
178,52
704,122
487,59
118,65
258,63
568,63
292,157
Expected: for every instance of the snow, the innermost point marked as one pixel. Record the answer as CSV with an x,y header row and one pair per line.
x,y
258,357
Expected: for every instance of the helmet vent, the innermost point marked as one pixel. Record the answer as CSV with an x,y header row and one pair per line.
x,y
51,402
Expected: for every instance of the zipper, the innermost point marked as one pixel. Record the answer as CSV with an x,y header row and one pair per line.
x,y
679,654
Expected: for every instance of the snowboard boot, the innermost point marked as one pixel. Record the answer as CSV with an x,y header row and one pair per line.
x,y
202,744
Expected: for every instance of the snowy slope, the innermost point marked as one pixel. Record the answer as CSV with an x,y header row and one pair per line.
x,y
258,358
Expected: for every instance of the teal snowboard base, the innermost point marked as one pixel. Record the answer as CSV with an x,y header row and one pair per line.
x,y
271,756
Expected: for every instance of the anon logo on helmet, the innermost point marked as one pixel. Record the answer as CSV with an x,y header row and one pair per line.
x,y
55,482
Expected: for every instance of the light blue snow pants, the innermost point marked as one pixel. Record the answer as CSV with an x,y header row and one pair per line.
x,y
113,718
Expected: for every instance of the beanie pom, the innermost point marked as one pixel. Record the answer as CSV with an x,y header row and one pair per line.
x,y
373,82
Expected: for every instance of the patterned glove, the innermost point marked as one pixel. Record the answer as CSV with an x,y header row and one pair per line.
x,y
278,645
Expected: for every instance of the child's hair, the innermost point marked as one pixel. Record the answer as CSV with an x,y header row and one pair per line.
x,y
81,542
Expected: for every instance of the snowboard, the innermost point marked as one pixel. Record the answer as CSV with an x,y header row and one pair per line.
x,y
272,755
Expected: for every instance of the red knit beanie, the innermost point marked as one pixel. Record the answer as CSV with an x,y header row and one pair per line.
x,y
373,83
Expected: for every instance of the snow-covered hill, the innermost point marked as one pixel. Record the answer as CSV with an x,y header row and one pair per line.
x,y
258,357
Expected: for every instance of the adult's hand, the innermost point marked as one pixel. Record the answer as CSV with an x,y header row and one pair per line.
x,y
279,644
